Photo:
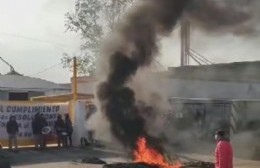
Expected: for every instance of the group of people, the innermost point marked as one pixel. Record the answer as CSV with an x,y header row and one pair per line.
x,y
63,130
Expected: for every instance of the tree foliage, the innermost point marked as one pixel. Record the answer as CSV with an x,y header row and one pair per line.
x,y
92,19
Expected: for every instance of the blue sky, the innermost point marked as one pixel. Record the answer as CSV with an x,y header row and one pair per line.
x,y
33,38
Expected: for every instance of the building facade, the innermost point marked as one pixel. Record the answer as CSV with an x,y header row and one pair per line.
x,y
16,87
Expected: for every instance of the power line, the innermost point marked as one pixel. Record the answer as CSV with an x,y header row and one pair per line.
x,y
31,38
47,69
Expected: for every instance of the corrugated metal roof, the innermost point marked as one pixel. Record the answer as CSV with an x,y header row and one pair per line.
x,y
18,82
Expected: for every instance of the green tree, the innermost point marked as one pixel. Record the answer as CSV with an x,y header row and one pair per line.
x,y
92,19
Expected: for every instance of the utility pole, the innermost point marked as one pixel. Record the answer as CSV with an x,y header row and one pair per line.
x,y
75,84
185,42
74,93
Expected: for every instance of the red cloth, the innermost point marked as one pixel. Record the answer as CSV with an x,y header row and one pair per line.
x,y
224,155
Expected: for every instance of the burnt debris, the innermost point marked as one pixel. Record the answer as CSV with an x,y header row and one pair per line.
x,y
195,164
130,165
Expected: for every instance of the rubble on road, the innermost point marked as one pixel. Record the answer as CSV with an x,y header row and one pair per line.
x,y
194,164
93,160
129,165
198,164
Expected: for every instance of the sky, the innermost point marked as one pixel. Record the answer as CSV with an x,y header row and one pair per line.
x,y
33,39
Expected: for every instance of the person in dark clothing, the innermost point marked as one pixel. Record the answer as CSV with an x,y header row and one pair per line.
x,y
60,130
69,129
12,130
36,130
42,123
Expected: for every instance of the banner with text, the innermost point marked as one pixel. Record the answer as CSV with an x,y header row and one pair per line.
x,y
24,113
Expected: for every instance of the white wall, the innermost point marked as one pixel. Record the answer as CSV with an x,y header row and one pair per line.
x,y
208,89
56,92
187,88
88,87
79,129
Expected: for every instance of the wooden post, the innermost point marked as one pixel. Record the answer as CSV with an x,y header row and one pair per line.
x,y
75,84
74,91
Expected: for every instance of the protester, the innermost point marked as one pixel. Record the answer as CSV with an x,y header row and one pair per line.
x,y
60,130
69,129
12,130
36,131
223,151
42,123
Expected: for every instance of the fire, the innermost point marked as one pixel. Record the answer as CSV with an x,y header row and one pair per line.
x,y
145,154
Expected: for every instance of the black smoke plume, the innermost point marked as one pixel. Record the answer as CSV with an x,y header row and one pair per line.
x,y
210,15
139,31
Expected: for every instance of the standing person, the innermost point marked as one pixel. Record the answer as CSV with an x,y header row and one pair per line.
x,y
223,151
69,129
43,123
12,130
60,129
36,130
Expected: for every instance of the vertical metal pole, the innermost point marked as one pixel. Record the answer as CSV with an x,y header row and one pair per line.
x,y
185,42
187,49
182,44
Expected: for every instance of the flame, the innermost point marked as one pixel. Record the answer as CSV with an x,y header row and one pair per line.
x,y
145,154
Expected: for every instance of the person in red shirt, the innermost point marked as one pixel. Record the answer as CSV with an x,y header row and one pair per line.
x,y
223,151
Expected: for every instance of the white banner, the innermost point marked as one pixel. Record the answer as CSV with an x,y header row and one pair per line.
x,y
24,113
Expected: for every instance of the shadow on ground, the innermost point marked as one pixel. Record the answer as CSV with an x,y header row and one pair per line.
x,y
49,155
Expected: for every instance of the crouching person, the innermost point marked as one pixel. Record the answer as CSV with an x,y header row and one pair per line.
x,y
12,130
